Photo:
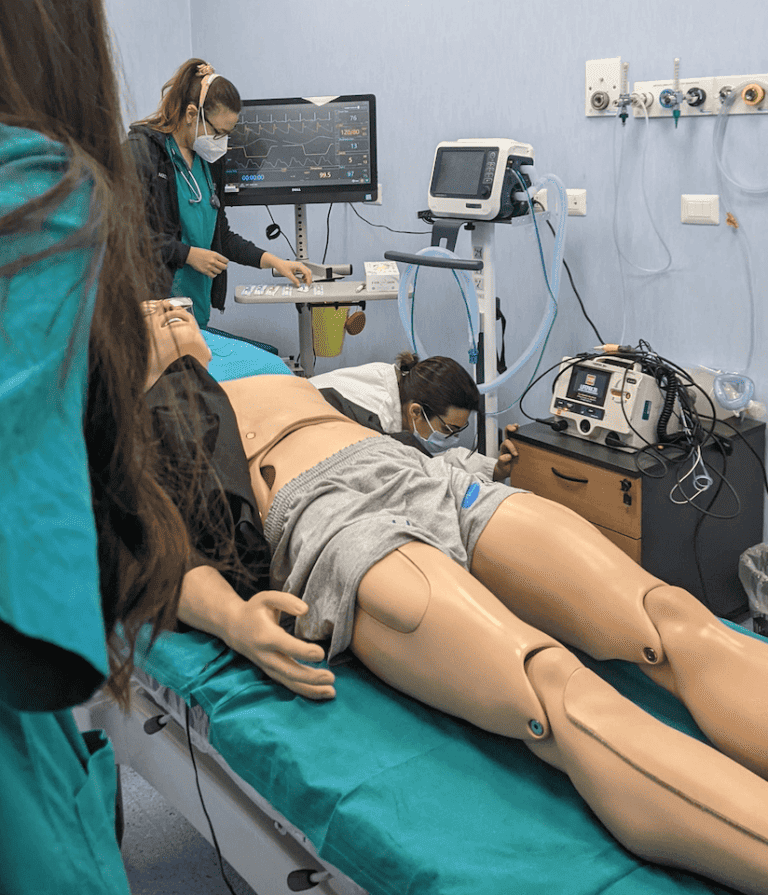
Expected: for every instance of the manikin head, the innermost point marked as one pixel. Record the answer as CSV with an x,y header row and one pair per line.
x,y
173,333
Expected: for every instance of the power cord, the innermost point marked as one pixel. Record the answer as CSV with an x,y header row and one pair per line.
x,y
202,803
600,339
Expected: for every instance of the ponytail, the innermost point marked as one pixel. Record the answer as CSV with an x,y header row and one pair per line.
x,y
184,88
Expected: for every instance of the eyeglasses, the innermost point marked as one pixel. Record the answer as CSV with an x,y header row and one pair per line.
x,y
217,134
448,430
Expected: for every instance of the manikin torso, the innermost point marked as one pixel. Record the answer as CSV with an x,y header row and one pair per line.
x,y
271,413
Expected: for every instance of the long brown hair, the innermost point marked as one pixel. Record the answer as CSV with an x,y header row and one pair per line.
x,y
57,77
183,89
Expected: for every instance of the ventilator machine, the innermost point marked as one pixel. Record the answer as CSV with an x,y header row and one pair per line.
x,y
476,184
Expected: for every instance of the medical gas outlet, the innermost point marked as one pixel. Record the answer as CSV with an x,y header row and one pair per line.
x,y
609,401
691,97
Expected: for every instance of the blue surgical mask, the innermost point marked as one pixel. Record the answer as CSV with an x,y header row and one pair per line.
x,y
435,440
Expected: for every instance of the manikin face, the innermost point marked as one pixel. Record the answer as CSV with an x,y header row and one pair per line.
x,y
173,333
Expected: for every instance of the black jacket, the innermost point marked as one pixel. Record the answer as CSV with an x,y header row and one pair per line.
x,y
158,178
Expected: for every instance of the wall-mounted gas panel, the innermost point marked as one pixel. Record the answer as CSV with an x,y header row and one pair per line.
x,y
703,96
603,87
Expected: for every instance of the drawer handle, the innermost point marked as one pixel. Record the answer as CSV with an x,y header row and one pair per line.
x,y
569,478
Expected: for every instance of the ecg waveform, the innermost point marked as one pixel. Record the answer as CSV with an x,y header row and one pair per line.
x,y
299,143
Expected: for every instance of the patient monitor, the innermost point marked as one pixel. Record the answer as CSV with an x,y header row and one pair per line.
x,y
475,179
609,400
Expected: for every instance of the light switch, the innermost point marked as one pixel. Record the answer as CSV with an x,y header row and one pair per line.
x,y
700,209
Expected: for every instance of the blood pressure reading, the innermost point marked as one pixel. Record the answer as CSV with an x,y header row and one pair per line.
x,y
588,386
458,172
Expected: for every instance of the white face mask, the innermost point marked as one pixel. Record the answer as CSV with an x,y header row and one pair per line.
x,y
206,145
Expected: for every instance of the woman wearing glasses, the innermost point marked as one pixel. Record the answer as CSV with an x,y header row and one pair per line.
x,y
179,153
423,403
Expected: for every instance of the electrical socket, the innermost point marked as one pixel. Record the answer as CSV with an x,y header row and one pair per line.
x,y
541,198
603,87
710,105
577,202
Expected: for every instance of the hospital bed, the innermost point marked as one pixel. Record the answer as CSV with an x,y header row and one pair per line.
x,y
371,792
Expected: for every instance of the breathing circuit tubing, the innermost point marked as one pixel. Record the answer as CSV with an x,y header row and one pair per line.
x,y
405,301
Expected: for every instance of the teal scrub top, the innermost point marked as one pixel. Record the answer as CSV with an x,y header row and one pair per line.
x,y
58,785
194,188
50,605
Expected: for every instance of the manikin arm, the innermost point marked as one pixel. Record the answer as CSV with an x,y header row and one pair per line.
x,y
251,627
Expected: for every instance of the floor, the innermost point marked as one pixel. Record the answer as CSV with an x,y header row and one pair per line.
x,y
162,851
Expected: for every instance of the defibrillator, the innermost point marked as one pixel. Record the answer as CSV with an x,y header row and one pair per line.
x,y
609,400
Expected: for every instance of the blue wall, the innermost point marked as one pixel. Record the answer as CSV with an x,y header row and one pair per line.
x,y
458,68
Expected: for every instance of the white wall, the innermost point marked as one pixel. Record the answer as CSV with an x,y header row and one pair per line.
x,y
443,69
151,38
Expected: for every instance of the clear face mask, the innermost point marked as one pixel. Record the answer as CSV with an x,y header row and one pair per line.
x,y
210,147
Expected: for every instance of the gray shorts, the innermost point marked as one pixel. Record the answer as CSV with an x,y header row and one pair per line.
x,y
331,524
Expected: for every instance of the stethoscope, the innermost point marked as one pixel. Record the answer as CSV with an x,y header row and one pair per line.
x,y
194,186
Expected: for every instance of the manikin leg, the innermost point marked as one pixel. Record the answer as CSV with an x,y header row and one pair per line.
x,y
557,572
429,628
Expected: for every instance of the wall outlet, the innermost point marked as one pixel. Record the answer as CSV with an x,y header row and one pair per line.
x,y
577,202
603,87
541,198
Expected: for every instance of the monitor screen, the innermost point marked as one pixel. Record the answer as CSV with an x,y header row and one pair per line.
x,y
292,151
588,385
458,173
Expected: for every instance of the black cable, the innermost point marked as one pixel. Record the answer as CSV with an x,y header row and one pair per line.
x,y
754,452
274,233
600,339
384,226
202,802
327,232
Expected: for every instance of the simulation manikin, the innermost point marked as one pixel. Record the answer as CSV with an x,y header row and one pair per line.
x,y
487,643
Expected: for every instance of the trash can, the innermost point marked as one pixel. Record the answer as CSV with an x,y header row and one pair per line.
x,y
753,574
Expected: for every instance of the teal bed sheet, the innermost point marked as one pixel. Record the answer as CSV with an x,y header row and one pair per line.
x,y
233,358
406,800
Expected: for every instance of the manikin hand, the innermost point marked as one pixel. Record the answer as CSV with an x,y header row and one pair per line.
x,y
507,454
251,628
206,261
257,635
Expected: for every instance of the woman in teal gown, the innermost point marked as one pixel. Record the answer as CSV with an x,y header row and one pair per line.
x,y
80,512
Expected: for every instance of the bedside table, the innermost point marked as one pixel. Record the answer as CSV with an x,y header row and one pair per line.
x,y
635,512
